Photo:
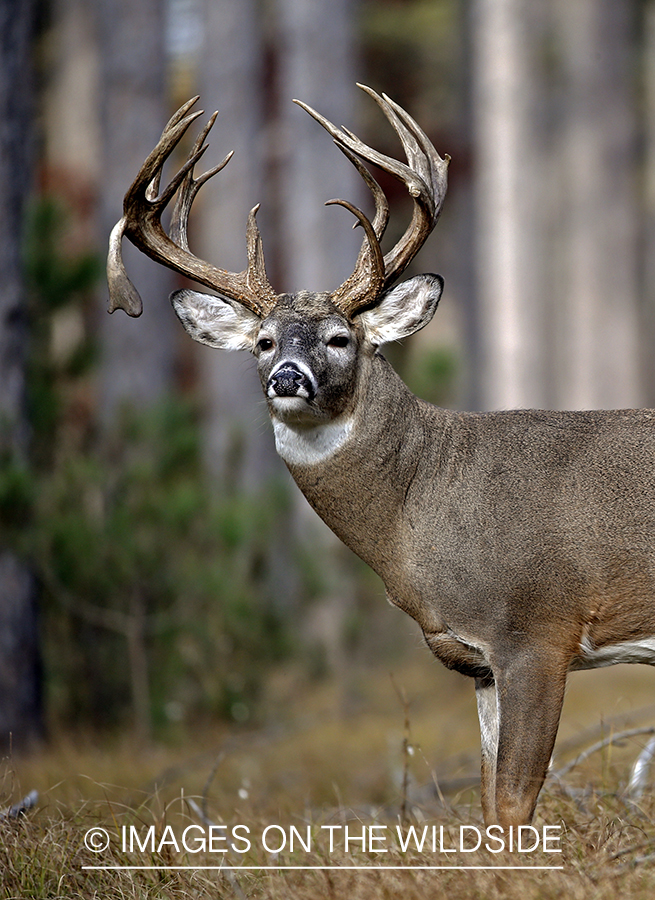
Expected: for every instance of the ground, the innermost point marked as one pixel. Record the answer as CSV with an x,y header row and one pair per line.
x,y
381,748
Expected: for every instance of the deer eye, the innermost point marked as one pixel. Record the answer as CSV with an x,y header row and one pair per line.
x,y
264,344
339,340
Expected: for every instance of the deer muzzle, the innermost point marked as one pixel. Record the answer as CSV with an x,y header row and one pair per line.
x,y
289,381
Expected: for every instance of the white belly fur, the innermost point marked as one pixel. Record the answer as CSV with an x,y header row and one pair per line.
x,y
641,651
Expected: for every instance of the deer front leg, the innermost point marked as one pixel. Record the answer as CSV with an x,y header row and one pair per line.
x,y
486,697
530,693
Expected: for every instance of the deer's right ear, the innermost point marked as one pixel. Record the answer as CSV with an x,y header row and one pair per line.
x,y
216,322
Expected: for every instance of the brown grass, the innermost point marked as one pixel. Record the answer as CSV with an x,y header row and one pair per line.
x,y
333,754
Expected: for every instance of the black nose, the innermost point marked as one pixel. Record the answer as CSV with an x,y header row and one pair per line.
x,y
289,381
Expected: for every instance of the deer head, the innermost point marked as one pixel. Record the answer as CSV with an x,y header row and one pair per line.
x,y
310,347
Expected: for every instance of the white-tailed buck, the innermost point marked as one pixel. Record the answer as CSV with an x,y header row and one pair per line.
x,y
522,542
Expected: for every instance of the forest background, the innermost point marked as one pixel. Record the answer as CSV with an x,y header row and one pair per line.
x,y
158,568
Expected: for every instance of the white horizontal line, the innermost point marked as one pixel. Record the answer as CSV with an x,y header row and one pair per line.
x,y
306,868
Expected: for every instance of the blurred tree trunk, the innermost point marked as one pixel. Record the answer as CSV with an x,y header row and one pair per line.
x,y
318,247
137,358
511,292
597,304
72,148
20,687
317,65
238,444
648,207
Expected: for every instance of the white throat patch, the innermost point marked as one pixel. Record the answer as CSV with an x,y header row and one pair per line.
x,y
300,446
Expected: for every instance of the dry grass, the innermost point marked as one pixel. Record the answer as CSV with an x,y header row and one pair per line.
x,y
331,755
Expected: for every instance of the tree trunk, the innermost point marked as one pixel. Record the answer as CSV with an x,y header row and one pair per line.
x,y
20,685
317,65
648,207
238,443
137,358
598,364
510,288
72,148
318,245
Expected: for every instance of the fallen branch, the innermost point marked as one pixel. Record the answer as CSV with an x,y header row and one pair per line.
x,y
640,771
28,802
600,745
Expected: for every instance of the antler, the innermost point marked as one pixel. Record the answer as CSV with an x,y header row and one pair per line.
x,y
141,223
425,177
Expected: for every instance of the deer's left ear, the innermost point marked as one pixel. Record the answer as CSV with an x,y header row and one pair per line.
x,y
403,310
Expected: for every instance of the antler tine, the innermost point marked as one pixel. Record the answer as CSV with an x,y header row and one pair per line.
x,y
381,217
141,223
149,175
433,173
190,187
153,189
122,293
425,177
367,280
357,290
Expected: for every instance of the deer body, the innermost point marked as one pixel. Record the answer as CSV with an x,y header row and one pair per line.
x,y
476,522
522,542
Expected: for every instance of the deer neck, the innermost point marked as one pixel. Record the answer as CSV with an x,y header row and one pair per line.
x,y
356,471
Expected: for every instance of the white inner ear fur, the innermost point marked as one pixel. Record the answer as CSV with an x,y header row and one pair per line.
x,y
216,321
403,310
